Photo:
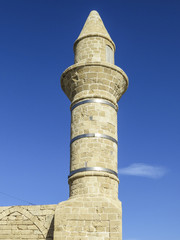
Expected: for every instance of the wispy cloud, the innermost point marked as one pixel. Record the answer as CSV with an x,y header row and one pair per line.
x,y
143,170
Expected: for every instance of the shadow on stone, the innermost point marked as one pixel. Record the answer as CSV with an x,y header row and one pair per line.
x,y
50,234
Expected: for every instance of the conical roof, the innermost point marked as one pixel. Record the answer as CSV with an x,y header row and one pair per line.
x,y
94,26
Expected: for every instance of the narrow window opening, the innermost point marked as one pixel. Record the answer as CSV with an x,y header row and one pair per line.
x,y
109,54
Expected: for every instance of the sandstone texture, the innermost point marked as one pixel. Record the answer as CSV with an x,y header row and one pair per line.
x,y
27,222
94,85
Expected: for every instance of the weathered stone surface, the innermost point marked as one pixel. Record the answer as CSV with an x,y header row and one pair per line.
x,y
27,222
93,210
96,218
90,80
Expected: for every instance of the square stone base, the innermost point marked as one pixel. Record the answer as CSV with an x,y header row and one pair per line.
x,y
88,218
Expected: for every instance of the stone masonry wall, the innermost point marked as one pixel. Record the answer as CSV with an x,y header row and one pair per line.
x,y
94,85
94,118
27,222
92,49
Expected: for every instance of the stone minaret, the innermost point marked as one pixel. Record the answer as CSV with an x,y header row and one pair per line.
x,y
93,85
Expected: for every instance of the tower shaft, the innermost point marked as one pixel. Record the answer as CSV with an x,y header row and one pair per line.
x,y
94,148
94,85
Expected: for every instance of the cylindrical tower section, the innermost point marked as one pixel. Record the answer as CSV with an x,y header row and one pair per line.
x,y
93,124
94,147
94,43
94,85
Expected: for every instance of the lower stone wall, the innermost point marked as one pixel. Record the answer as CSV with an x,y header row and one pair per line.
x,y
88,218
27,222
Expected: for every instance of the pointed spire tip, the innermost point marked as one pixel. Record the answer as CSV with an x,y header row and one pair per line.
x,y
94,12
94,26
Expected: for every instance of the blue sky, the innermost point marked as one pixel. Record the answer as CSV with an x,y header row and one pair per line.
x,y
36,46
